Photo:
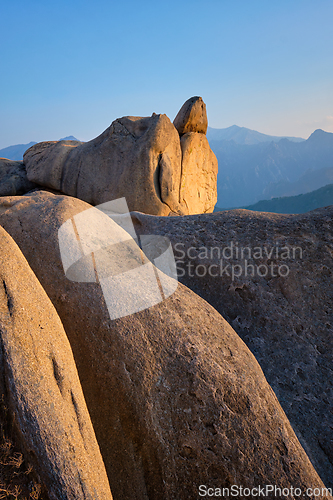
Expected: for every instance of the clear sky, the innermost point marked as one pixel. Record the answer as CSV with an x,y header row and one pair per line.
x,y
71,68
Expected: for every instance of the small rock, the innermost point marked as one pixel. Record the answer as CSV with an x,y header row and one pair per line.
x,y
192,117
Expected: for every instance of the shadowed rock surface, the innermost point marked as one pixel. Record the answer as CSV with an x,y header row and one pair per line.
x,y
141,159
286,320
13,178
176,398
40,384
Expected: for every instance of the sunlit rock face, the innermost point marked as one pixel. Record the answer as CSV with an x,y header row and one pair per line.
x,y
192,117
176,398
145,160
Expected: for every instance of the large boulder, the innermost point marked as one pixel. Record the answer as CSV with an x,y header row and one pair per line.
x,y
192,117
41,387
270,276
176,398
13,178
199,164
136,158
141,159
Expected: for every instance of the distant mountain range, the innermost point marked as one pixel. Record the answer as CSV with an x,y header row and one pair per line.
x,y
300,204
69,138
16,152
252,172
255,166
242,135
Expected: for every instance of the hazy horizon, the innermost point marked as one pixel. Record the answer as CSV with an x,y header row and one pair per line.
x,y
72,68
214,128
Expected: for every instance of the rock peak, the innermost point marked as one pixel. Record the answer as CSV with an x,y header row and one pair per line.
x,y
192,117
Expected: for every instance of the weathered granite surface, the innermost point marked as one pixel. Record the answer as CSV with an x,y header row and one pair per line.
x,y
142,159
176,398
285,317
13,178
40,386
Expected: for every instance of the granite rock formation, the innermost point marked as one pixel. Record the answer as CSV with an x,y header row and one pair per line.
x,y
192,117
199,171
41,387
285,317
13,178
199,164
141,159
176,398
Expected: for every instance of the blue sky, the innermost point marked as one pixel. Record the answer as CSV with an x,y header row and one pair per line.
x,y
71,68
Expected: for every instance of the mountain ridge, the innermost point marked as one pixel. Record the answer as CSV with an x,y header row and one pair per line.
x,y
249,173
299,204
243,135
302,203
255,166
240,135
16,151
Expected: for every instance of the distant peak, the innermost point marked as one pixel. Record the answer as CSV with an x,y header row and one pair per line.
x,y
245,136
69,138
320,135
